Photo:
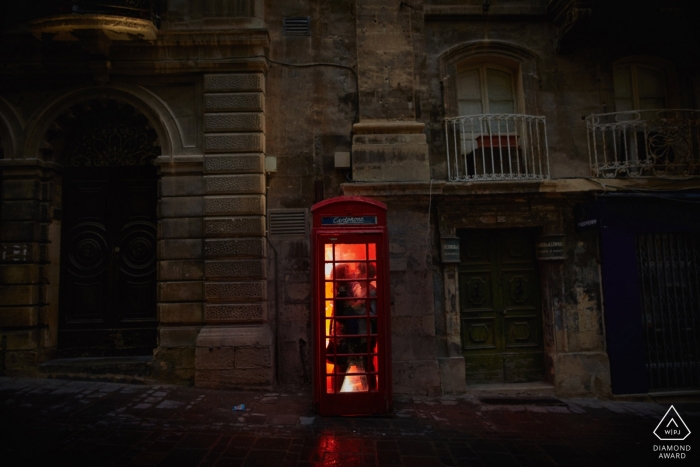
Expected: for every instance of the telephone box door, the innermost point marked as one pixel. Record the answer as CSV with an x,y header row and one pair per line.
x,y
352,374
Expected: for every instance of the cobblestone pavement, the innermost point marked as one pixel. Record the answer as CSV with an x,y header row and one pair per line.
x,y
46,422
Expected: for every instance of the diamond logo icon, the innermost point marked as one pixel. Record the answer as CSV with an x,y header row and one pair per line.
x,y
672,427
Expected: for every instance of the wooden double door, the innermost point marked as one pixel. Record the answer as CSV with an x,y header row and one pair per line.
x,y
500,307
108,262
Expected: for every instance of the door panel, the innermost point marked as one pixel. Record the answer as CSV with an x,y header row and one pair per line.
x,y
500,306
107,303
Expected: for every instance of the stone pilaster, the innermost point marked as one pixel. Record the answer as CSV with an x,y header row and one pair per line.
x,y
180,268
388,143
234,349
29,243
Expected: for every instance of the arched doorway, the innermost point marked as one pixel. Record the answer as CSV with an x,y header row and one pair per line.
x,y
107,295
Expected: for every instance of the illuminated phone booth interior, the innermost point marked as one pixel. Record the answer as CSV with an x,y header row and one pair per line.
x,y
352,364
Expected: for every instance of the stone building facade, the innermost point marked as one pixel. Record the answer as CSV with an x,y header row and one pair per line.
x,y
160,159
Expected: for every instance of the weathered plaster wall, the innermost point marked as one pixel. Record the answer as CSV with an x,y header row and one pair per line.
x,y
310,112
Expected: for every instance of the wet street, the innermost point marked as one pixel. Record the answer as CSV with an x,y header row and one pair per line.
x,y
49,422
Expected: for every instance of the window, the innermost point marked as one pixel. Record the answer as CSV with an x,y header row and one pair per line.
x,y
639,87
485,89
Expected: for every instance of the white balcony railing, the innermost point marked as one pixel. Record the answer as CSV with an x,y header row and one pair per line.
x,y
496,147
645,143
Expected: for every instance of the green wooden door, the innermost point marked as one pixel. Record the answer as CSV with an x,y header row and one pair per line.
x,y
501,316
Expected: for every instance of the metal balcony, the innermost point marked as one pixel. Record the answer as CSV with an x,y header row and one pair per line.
x,y
492,147
144,9
119,20
645,143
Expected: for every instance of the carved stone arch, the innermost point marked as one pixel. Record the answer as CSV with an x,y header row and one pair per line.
x,y
11,131
144,101
522,60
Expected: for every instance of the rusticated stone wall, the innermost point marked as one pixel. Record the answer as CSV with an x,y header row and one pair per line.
x,y
29,240
235,286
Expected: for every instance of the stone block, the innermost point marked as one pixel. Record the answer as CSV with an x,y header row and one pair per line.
x,y
413,326
233,379
181,336
170,359
234,122
215,358
390,139
297,291
255,268
21,340
245,341
20,210
452,375
234,142
235,336
180,291
248,226
19,317
235,312
22,363
234,184
416,378
248,247
14,295
181,185
413,347
186,206
180,270
19,274
582,374
253,357
234,205
186,313
181,228
390,162
234,102
234,163
235,291
20,232
220,82
173,365
179,249
21,189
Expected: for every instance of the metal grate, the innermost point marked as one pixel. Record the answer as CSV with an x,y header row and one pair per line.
x,y
496,147
297,26
287,222
669,271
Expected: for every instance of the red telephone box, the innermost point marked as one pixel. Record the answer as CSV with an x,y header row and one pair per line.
x,y
352,364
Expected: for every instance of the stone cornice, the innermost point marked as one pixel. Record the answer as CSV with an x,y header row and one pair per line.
x,y
476,13
548,187
385,127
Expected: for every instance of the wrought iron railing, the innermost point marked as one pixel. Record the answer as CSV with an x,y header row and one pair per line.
x,y
496,147
144,9
645,143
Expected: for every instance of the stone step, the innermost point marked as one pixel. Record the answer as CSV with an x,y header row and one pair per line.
x,y
112,369
511,390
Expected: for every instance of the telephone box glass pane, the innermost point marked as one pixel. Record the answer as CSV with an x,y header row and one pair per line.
x,y
350,251
351,335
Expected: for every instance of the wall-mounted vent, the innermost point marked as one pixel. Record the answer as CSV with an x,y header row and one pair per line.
x,y
287,222
297,26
